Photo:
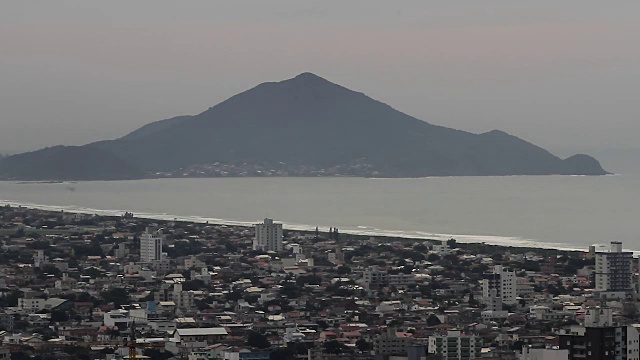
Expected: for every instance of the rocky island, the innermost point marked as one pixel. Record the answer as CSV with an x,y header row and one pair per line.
x,y
304,126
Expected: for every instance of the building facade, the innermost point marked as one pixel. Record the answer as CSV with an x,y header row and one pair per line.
x,y
151,245
501,284
614,270
391,343
268,236
543,354
600,340
455,345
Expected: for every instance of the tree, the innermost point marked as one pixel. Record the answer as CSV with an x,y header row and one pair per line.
x,y
157,354
19,355
433,320
322,324
20,232
258,340
363,345
282,354
433,257
86,297
11,299
59,316
118,296
334,347
193,285
308,280
472,300
452,243
291,290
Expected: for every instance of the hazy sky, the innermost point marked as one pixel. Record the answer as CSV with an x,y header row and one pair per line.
x,y
563,74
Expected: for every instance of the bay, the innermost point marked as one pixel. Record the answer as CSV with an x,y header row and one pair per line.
x,y
570,212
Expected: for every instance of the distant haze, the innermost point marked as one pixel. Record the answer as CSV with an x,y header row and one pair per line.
x,y
564,75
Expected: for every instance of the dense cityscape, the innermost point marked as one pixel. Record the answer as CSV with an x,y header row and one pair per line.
x,y
80,286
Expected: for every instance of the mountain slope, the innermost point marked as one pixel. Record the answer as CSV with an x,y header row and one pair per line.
x,y
67,163
155,127
310,123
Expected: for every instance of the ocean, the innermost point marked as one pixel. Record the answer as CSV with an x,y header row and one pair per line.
x,y
568,212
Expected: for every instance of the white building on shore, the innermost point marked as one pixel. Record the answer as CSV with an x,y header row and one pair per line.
x,y
268,236
151,245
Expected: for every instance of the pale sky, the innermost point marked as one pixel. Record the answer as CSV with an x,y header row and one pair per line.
x,y
562,74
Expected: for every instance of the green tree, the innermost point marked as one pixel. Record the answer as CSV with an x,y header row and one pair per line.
x,y
118,296
193,285
157,354
363,345
335,347
433,320
282,354
258,340
59,316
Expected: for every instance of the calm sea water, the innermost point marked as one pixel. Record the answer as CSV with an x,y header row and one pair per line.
x,y
550,211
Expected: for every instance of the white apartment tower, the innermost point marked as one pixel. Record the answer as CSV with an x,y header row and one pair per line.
x,y
501,284
268,236
614,270
40,259
455,345
151,245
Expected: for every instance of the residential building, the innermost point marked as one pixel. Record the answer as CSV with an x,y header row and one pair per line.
x,y
268,236
193,262
373,276
121,251
455,345
183,299
503,282
31,304
119,318
204,335
151,245
529,353
599,340
245,354
391,343
40,259
613,273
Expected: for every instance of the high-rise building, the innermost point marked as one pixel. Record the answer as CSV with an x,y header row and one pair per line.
x,y
40,259
613,273
599,339
151,245
502,284
268,236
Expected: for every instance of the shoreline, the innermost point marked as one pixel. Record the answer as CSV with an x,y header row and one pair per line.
x,y
465,241
65,181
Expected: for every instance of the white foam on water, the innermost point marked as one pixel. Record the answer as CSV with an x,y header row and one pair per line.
x,y
361,230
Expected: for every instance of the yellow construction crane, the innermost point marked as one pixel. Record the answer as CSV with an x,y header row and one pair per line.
x,y
133,345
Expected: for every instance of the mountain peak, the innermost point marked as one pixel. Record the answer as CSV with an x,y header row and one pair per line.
x,y
308,76
309,79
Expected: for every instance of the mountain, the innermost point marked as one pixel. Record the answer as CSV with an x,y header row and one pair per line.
x,y
67,163
308,125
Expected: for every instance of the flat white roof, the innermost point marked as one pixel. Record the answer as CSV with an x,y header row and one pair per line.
x,y
202,331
